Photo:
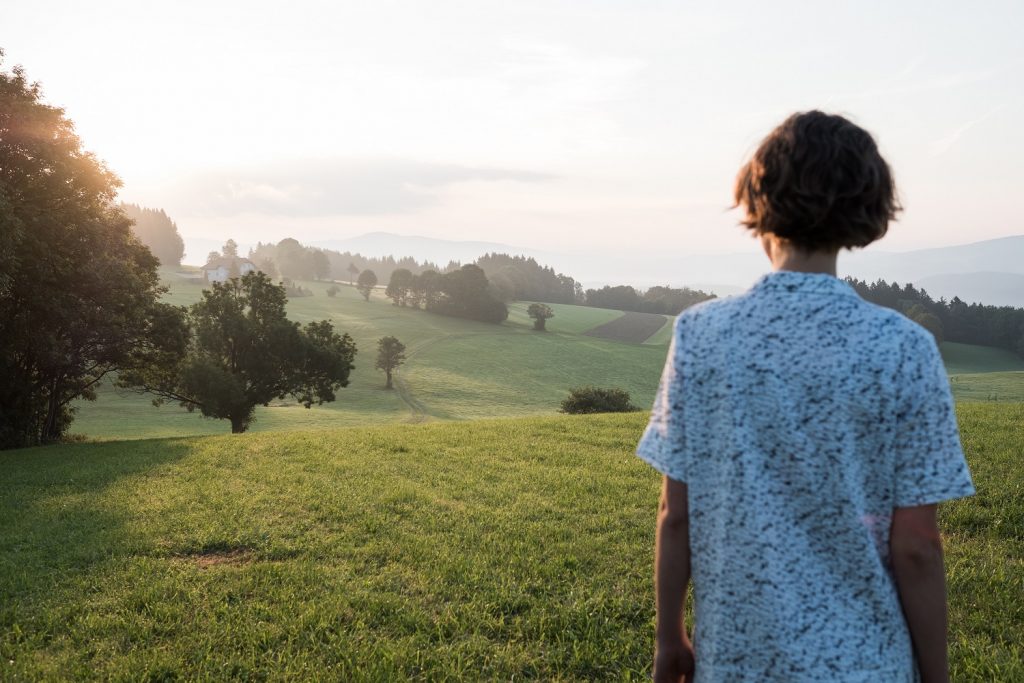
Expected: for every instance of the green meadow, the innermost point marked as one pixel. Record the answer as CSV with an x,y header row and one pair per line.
x,y
462,369
456,369
486,550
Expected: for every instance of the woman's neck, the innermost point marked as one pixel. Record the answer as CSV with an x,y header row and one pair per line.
x,y
785,256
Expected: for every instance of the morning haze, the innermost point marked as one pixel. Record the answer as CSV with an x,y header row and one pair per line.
x,y
535,124
330,331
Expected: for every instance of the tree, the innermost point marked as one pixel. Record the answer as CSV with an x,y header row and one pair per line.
x,y
366,282
929,321
212,256
353,271
621,297
430,284
390,354
540,314
230,249
79,295
156,230
292,259
267,266
321,266
467,295
244,352
398,286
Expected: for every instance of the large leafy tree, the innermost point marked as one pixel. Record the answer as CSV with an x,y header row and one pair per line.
x,y
78,293
244,352
399,285
467,294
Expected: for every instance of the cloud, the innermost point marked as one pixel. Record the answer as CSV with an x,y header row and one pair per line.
x,y
943,144
332,187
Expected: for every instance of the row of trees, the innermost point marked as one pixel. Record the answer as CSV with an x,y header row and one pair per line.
x,y
463,293
509,278
664,300
954,320
518,278
290,258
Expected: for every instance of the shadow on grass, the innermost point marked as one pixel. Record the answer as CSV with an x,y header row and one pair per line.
x,y
55,521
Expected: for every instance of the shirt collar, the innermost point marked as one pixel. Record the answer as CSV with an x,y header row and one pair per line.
x,y
791,281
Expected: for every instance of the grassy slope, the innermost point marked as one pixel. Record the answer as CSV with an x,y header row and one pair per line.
x,y
460,369
456,369
968,358
982,373
486,550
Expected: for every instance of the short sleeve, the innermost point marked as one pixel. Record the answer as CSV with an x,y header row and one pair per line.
x,y
663,442
929,461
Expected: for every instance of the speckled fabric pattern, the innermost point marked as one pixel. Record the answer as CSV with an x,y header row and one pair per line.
x,y
799,416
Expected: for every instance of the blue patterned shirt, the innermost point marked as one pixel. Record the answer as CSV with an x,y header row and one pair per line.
x,y
799,416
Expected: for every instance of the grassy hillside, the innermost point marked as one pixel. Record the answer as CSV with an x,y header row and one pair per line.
x,y
969,359
456,369
982,373
490,550
460,369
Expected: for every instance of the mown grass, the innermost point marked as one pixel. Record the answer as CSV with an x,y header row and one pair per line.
x,y
490,550
997,387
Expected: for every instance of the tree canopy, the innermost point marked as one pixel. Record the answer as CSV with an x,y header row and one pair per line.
x,y
366,282
78,292
155,229
244,352
954,320
540,313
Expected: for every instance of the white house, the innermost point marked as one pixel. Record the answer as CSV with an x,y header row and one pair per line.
x,y
220,268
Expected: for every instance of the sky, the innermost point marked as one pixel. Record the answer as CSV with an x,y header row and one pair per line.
x,y
610,125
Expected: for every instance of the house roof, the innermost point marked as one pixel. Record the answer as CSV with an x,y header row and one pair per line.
x,y
227,262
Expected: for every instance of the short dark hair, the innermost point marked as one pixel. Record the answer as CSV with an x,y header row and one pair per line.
x,y
819,182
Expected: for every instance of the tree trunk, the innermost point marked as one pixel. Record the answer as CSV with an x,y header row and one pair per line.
x,y
388,386
51,432
237,425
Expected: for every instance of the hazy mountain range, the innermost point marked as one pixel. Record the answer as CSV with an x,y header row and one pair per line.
x,y
990,272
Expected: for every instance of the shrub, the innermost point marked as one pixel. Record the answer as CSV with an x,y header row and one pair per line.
x,y
333,290
590,399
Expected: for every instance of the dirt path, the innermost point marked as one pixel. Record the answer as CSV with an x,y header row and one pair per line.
x,y
416,407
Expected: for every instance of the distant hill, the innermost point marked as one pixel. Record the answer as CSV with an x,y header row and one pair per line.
x,y
995,289
999,256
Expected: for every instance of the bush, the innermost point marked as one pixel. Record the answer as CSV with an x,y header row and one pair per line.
x,y
294,290
586,400
333,290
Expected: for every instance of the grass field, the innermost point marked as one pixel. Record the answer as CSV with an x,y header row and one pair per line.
x,y
461,369
981,373
488,550
456,369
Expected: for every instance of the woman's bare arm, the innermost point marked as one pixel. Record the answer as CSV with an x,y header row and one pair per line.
x,y
916,551
673,659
